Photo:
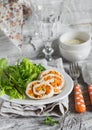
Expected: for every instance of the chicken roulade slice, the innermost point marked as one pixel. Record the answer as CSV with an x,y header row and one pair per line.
x,y
50,71
42,90
56,81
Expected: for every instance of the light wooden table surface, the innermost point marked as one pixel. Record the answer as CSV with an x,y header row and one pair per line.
x,y
72,121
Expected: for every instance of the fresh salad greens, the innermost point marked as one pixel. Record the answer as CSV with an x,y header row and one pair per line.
x,y
14,78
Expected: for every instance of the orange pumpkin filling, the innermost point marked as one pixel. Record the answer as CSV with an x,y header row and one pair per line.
x,y
57,81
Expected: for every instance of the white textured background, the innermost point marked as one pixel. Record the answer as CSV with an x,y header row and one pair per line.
x,y
81,11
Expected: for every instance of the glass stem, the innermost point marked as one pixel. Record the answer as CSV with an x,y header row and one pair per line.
x,y
48,51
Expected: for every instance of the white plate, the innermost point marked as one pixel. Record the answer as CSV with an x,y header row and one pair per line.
x,y
66,91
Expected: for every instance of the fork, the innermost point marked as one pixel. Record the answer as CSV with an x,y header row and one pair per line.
x,y
78,96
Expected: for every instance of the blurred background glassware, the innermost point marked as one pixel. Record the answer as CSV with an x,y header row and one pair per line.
x,y
30,26
48,14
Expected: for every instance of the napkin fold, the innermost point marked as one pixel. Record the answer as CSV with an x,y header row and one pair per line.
x,y
53,109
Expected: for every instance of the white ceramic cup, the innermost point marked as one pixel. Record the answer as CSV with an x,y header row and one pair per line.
x,y
77,51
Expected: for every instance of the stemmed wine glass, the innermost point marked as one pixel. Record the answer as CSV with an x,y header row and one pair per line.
x,y
49,14
30,30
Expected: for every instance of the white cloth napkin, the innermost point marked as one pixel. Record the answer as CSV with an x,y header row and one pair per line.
x,y
52,109
87,72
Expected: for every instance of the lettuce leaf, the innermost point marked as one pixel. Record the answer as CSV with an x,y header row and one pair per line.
x,y
15,78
